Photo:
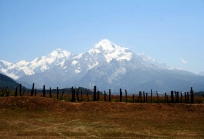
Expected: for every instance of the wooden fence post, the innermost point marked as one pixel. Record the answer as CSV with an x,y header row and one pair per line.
x,y
192,95
33,88
121,95
43,90
165,98
157,96
94,94
109,94
143,96
57,92
73,94
77,95
172,97
16,92
20,89
62,94
140,97
181,98
125,95
177,97
185,98
50,93
82,99
188,97
32,91
133,98
151,95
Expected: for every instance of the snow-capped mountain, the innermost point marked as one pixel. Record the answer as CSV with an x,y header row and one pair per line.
x,y
106,50
107,65
103,52
10,69
40,64
43,63
148,61
73,69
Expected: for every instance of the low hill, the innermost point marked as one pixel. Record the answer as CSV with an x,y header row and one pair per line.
x,y
7,81
201,93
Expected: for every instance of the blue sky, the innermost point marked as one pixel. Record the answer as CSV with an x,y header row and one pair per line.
x,y
170,31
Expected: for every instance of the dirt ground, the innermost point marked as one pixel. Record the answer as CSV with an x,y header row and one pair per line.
x,y
38,117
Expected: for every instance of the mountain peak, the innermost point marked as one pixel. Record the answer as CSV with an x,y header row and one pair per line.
x,y
106,45
59,53
58,49
110,51
105,41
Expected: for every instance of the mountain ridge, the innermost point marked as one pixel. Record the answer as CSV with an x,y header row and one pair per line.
x,y
56,57
107,65
6,81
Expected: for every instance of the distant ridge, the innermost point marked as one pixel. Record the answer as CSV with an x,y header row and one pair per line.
x,y
7,81
107,66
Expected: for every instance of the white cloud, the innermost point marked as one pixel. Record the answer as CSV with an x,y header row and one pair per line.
x,y
184,61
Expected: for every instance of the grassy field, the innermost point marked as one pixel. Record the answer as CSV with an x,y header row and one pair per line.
x,y
38,117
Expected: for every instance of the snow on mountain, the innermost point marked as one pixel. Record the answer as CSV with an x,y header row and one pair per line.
x,y
43,63
40,64
24,65
110,51
146,58
57,57
107,65
7,65
77,66
10,69
69,63
104,51
148,61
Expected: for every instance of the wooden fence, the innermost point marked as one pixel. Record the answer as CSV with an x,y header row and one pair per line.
x,y
76,94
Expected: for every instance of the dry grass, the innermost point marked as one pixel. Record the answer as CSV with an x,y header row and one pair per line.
x,y
37,117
